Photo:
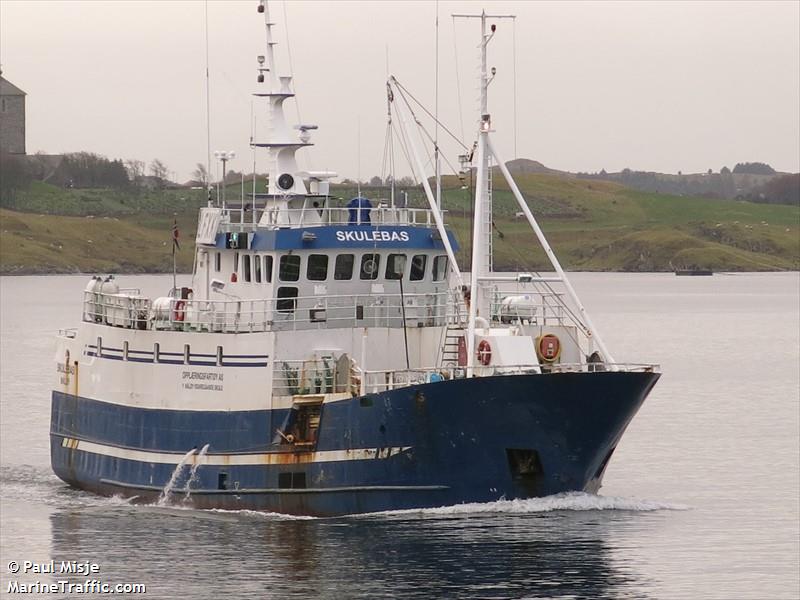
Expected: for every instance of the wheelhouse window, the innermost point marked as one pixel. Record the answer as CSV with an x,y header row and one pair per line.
x,y
267,269
418,264
395,266
287,299
317,268
289,267
439,268
343,269
257,267
235,262
370,265
246,267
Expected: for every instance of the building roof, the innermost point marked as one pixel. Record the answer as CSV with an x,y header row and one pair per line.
x,y
9,89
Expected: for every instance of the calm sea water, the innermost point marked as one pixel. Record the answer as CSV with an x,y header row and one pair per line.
x,y
701,499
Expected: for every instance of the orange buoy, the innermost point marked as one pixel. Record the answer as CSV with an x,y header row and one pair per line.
x,y
548,347
484,352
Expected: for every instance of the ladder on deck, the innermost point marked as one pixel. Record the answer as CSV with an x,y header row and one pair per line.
x,y
449,351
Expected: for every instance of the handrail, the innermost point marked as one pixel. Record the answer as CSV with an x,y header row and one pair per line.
x,y
326,376
386,380
272,314
277,215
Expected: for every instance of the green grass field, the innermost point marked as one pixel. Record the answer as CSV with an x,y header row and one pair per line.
x,y
592,225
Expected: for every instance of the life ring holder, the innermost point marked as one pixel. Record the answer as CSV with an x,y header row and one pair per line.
x,y
548,347
484,353
179,314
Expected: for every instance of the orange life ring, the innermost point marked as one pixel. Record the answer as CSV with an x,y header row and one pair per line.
x,y
484,353
549,347
180,312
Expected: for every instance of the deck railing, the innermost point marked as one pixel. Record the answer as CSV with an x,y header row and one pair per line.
x,y
273,314
330,375
544,308
238,218
386,380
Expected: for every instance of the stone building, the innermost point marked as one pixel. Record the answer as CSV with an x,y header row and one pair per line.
x,y
12,118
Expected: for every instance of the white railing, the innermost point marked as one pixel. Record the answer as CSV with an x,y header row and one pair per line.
x,y
273,314
128,310
330,375
386,380
238,219
324,375
543,308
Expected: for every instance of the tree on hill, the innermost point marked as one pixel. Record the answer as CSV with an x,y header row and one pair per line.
x,y
14,175
200,174
753,168
135,169
159,171
780,190
88,170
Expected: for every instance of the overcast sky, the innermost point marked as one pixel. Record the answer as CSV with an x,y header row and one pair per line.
x,y
674,86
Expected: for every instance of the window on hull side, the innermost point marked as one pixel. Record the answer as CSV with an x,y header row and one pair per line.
x,y
418,264
268,269
257,267
289,267
395,266
343,270
370,266
217,262
246,267
439,268
317,268
287,299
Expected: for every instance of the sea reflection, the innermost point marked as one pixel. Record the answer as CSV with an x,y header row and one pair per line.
x,y
561,554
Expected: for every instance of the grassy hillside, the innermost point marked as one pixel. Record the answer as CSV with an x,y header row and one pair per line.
x,y
31,243
593,225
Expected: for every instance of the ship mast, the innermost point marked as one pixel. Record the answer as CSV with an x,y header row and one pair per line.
x,y
481,265
282,143
482,226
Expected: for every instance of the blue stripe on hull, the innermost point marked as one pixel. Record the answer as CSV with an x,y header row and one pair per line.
x,y
163,430
462,435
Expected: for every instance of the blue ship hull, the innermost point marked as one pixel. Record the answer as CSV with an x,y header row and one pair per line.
x,y
436,444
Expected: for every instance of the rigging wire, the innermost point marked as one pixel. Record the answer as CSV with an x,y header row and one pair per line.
x,y
306,157
289,56
427,134
401,87
458,84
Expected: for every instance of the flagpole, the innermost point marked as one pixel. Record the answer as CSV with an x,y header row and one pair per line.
x,y
175,246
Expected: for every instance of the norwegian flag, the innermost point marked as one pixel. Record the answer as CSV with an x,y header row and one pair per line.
x,y
175,235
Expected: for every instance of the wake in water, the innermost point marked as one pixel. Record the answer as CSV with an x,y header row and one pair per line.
x,y
24,481
570,501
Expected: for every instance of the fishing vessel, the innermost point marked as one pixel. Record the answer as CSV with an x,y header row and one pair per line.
x,y
330,357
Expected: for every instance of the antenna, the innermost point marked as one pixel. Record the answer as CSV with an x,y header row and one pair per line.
x,y
208,114
437,166
358,153
514,77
